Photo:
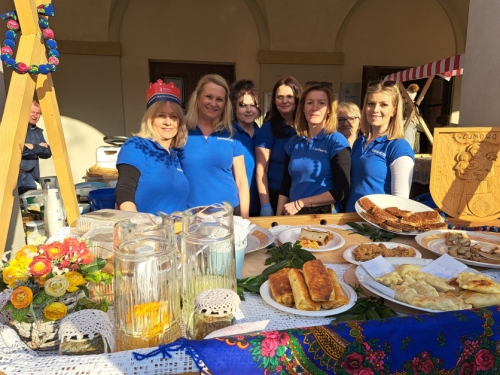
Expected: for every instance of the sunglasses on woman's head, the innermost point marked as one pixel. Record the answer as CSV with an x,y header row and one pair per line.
x,y
383,83
328,85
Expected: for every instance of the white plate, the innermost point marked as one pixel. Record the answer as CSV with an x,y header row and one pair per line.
x,y
293,234
387,200
348,253
258,239
265,293
435,241
362,275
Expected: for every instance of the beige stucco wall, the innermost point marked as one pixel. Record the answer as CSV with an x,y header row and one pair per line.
x,y
480,99
188,30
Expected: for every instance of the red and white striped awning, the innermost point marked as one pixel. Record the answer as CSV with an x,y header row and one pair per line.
x,y
446,68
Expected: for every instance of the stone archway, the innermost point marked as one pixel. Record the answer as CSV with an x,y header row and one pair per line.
x,y
448,8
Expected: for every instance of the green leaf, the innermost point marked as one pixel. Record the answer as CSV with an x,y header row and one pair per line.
x,y
3,286
8,306
19,314
275,267
85,290
103,305
42,298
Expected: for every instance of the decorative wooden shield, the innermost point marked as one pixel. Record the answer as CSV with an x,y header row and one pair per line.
x,y
465,172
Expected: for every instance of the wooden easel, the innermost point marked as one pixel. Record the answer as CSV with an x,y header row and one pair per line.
x,y
414,112
16,116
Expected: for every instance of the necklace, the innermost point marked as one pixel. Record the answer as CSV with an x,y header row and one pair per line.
x,y
9,44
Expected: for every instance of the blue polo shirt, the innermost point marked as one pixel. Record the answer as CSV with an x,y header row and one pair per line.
x,y
249,154
370,168
162,185
276,167
310,166
208,165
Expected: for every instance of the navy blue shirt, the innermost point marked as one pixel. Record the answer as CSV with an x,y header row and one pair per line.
x,y
162,185
371,167
266,139
208,165
249,154
310,163
29,161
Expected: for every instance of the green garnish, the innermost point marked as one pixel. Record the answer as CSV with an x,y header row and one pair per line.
x,y
365,308
375,234
287,255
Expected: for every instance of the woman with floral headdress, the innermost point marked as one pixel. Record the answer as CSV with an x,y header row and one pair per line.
x,y
150,175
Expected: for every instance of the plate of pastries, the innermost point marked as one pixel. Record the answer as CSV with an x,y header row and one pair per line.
x,y
477,249
399,215
313,239
315,290
426,292
370,250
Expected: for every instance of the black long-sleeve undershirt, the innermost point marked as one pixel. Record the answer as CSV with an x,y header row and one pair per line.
x,y
128,179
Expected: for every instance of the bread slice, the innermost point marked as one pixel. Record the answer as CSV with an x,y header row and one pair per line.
x,y
391,228
371,218
429,217
398,212
432,226
402,226
365,203
413,220
381,214
322,238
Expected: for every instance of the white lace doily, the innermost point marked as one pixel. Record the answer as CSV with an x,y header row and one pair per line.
x,y
77,325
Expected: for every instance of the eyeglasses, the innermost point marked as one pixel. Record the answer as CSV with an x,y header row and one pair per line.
x,y
349,119
248,106
328,85
383,83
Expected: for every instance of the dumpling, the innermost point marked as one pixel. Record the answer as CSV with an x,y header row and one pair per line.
x,y
391,278
477,283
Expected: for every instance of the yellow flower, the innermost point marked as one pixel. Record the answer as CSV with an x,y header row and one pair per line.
x,y
75,280
12,274
55,311
56,286
23,252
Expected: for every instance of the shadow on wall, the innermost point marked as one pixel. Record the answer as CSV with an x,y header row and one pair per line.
x,y
82,141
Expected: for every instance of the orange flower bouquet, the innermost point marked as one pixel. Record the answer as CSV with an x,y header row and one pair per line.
x,y
44,279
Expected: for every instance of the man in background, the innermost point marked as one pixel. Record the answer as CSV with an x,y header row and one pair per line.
x,y
35,147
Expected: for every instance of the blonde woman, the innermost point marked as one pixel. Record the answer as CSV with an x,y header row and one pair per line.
x,y
150,175
213,158
348,116
317,167
382,160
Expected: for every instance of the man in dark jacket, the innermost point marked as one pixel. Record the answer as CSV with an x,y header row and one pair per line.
x,y
35,147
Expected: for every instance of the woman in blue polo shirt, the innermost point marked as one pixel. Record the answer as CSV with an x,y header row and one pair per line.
x,y
271,140
382,160
213,158
317,167
150,175
245,101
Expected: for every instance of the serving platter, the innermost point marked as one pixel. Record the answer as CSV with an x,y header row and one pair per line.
x,y
349,256
293,234
258,238
363,276
387,200
435,241
265,293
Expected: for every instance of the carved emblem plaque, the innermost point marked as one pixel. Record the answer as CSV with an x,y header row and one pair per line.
x,y
465,172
